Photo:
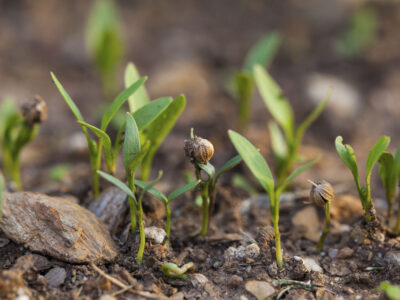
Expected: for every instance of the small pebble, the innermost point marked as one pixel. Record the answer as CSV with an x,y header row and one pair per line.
x,y
235,281
55,277
332,252
260,289
345,253
156,234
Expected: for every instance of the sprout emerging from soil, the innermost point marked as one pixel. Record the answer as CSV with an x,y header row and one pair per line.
x,y
348,156
261,171
200,152
104,141
167,200
171,270
322,194
284,146
16,130
389,171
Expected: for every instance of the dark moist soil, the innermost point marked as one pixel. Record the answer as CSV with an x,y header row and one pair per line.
x,y
237,220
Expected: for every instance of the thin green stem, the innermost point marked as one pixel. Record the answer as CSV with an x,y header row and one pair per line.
x,y
132,204
16,176
139,257
327,226
274,206
168,220
204,208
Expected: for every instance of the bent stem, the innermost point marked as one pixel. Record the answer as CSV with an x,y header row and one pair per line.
x,y
327,225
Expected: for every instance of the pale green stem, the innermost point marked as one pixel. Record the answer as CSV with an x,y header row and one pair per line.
x,y
327,226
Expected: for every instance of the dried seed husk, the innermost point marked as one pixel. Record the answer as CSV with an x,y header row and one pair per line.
x,y
321,192
199,149
34,111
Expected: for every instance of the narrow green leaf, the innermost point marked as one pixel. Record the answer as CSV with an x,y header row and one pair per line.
x,y
141,97
118,140
254,161
104,138
277,105
242,183
118,183
397,162
152,191
149,112
392,291
310,119
375,153
207,168
131,146
135,163
296,173
346,153
119,101
263,52
75,110
230,164
146,187
159,129
183,189
278,143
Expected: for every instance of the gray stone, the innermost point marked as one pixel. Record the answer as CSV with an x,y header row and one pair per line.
x,y
55,277
57,227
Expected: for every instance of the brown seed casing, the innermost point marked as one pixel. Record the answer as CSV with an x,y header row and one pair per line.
x,y
199,149
34,111
321,192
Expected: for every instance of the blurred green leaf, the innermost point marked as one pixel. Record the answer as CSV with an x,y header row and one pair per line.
x,y
104,39
278,142
348,156
310,119
230,164
296,173
242,183
392,291
118,183
263,52
141,97
277,105
254,161
159,129
183,189
59,171
375,153
149,112
119,101
359,35
131,146
388,171
105,139
2,190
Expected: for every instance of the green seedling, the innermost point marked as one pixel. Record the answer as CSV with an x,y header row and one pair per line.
x,y
389,171
200,152
322,195
104,42
159,125
261,171
59,172
171,270
18,128
360,34
133,153
104,141
285,147
167,200
262,53
348,156
2,190
392,291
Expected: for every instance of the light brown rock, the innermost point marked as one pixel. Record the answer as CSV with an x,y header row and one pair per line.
x,y
345,253
346,208
57,227
306,223
259,289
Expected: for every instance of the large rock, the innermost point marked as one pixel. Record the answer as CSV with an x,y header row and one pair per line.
x,y
56,226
